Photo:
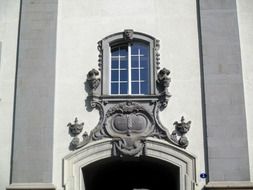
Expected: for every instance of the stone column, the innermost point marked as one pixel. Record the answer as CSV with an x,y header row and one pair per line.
x,y
227,147
32,151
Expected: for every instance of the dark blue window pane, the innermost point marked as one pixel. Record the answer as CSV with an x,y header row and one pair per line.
x,y
123,75
115,64
123,64
114,88
115,51
134,61
115,75
144,88
144,74
135,74
124,51
144,50
135,88
123,88
140,47
134,49
144,62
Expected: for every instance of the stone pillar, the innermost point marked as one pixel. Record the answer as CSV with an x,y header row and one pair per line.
x,y
32,152
227,147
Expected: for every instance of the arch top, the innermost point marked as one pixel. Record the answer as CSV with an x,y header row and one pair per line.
x,y
98,150
128,34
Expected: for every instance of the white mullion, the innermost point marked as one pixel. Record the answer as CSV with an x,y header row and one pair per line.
x,y
139,66
129,70
119,72
110,75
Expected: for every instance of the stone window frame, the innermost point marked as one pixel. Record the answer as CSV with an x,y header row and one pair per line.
x,y
104,46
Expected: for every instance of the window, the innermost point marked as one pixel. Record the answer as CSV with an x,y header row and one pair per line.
x,y
129,71
128,62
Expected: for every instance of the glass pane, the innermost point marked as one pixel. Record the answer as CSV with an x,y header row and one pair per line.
x,y
124,75
115,75
115,64
114,88
144,62
123,51
144,74
123,64
144,88
135,74
144,50
115,51
135,49
135,88
123,88
134,61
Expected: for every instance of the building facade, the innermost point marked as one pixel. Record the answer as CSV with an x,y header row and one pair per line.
x,y
126,95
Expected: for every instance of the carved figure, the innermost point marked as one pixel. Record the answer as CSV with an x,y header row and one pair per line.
x,y
128,34
163,80
92,79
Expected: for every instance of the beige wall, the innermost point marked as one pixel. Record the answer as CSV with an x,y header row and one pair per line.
x,y
9,14
82,23
245,19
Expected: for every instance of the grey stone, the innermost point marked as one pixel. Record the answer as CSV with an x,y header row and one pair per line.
x,y
32,156
224,97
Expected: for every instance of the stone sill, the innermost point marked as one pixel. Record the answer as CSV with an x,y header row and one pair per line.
x,y
31,186
229,185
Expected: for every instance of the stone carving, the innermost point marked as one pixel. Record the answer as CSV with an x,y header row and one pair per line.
x,y
157,54
180,130
163,83
75,129
100,55
128,34
129,120
92,79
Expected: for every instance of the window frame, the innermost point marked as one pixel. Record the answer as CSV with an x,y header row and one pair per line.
x,y
117,39
130,69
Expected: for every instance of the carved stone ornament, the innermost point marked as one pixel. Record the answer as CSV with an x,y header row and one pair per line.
x,y
163,83
180,130
92,79
75,129
129,120
100,55
128,34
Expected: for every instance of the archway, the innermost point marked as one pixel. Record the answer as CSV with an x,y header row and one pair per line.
x,y
131,173
174,163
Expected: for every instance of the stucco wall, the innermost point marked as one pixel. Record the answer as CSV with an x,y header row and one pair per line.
x,y
82,23
9,15
245,20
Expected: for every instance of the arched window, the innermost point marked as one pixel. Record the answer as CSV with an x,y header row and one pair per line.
x,y
129,69
128,63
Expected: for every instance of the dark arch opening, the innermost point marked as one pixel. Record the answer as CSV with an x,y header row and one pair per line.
x,y
131,174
